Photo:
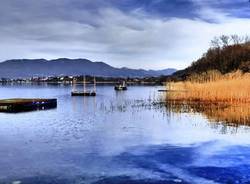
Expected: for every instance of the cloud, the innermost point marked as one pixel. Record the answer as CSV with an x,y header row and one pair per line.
x,y
132,36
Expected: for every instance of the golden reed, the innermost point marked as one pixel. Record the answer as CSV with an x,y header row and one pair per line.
x,y
212,87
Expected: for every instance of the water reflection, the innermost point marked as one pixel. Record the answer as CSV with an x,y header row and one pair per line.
x,y
231,114
131,137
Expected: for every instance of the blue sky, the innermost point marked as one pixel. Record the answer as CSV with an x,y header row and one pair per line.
x,y
153,34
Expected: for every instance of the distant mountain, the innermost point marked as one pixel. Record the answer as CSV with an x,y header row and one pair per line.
x,y
21,68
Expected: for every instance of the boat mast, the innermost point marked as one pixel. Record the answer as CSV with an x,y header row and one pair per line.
x,y
74,84
94,84
84,84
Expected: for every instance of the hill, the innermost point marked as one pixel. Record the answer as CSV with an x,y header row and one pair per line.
x,y
227,54
22,68
221,75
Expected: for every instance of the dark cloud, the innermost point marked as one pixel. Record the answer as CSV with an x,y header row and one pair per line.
x,y
239,8
135,33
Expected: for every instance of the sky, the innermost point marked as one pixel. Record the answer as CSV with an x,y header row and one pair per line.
x,y
149,34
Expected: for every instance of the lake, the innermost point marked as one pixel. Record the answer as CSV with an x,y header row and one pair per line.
x,y
118,137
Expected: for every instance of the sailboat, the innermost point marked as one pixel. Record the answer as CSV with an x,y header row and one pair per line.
x,y
85,92
121,87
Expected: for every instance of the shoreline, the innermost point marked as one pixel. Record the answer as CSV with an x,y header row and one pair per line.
x,y
232,88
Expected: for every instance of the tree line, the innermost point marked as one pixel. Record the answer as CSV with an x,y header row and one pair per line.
x,y
226,54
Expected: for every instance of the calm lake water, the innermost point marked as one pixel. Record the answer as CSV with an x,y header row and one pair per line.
x,y
117,137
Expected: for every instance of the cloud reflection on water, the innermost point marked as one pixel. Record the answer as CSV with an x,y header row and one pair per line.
x,y
118,138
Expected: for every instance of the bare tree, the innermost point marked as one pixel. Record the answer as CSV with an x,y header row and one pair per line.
x,y
236,39
215,42
246,39
225,40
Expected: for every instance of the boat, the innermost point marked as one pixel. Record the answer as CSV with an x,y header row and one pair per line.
x,y
121,87
84,92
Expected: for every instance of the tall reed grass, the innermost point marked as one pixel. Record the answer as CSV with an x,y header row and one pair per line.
x,y
212,87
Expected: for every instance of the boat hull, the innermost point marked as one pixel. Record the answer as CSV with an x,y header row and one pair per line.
x,y
119,88
83,93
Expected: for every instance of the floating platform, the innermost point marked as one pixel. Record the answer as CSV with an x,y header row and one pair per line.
x,y
163,90
83,93
21,104
168,90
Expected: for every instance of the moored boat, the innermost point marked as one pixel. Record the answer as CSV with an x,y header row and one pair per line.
x,y
84,92
121,87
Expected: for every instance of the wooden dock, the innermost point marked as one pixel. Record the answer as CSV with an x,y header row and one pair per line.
x,y
21,104
168,90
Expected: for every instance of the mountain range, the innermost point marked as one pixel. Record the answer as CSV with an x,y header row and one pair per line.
x,y
21,68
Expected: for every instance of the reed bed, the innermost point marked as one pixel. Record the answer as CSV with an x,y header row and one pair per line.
x,y
230,88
